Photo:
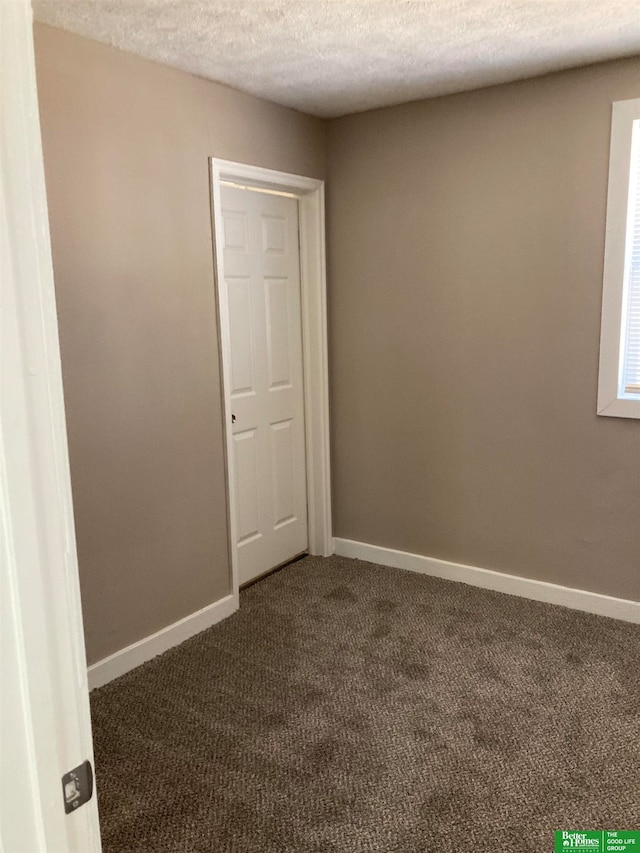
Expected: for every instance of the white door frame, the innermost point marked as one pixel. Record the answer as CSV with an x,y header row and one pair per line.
x,y
45,726
310,195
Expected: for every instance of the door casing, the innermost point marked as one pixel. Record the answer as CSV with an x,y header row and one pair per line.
x,y
313,293
45,725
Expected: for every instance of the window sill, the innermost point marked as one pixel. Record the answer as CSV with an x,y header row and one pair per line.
x,y
620,407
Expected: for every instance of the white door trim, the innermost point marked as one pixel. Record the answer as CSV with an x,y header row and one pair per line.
x,y
310,195
44,707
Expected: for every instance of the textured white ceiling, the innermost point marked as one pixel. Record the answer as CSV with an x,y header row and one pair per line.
x,y
332,57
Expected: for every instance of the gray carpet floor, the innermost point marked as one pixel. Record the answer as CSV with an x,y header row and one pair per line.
x,y
351,707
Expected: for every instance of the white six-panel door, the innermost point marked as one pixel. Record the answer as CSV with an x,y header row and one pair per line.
x,y
260,290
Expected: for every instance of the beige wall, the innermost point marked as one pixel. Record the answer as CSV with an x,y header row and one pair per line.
x,y
126,143
466,251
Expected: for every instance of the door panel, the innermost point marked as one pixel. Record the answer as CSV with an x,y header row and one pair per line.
x,y
242,344
283,468
277,332
261,287
246,470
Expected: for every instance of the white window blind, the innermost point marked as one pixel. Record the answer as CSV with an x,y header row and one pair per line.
x,y
630,367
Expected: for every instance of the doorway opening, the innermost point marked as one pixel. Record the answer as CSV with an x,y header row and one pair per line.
x,y
279,318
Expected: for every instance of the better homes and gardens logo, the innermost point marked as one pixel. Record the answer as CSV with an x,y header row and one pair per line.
x,y
607,841
573,840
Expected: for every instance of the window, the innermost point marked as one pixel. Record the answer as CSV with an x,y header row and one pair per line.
x,y
619,381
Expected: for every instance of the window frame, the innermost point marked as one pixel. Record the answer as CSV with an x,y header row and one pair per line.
x,y
611,400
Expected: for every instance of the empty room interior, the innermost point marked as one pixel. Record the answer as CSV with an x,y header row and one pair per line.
x,y
348,300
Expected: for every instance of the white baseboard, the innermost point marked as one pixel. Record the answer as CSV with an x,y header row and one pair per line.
x,y
551,593
138,653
